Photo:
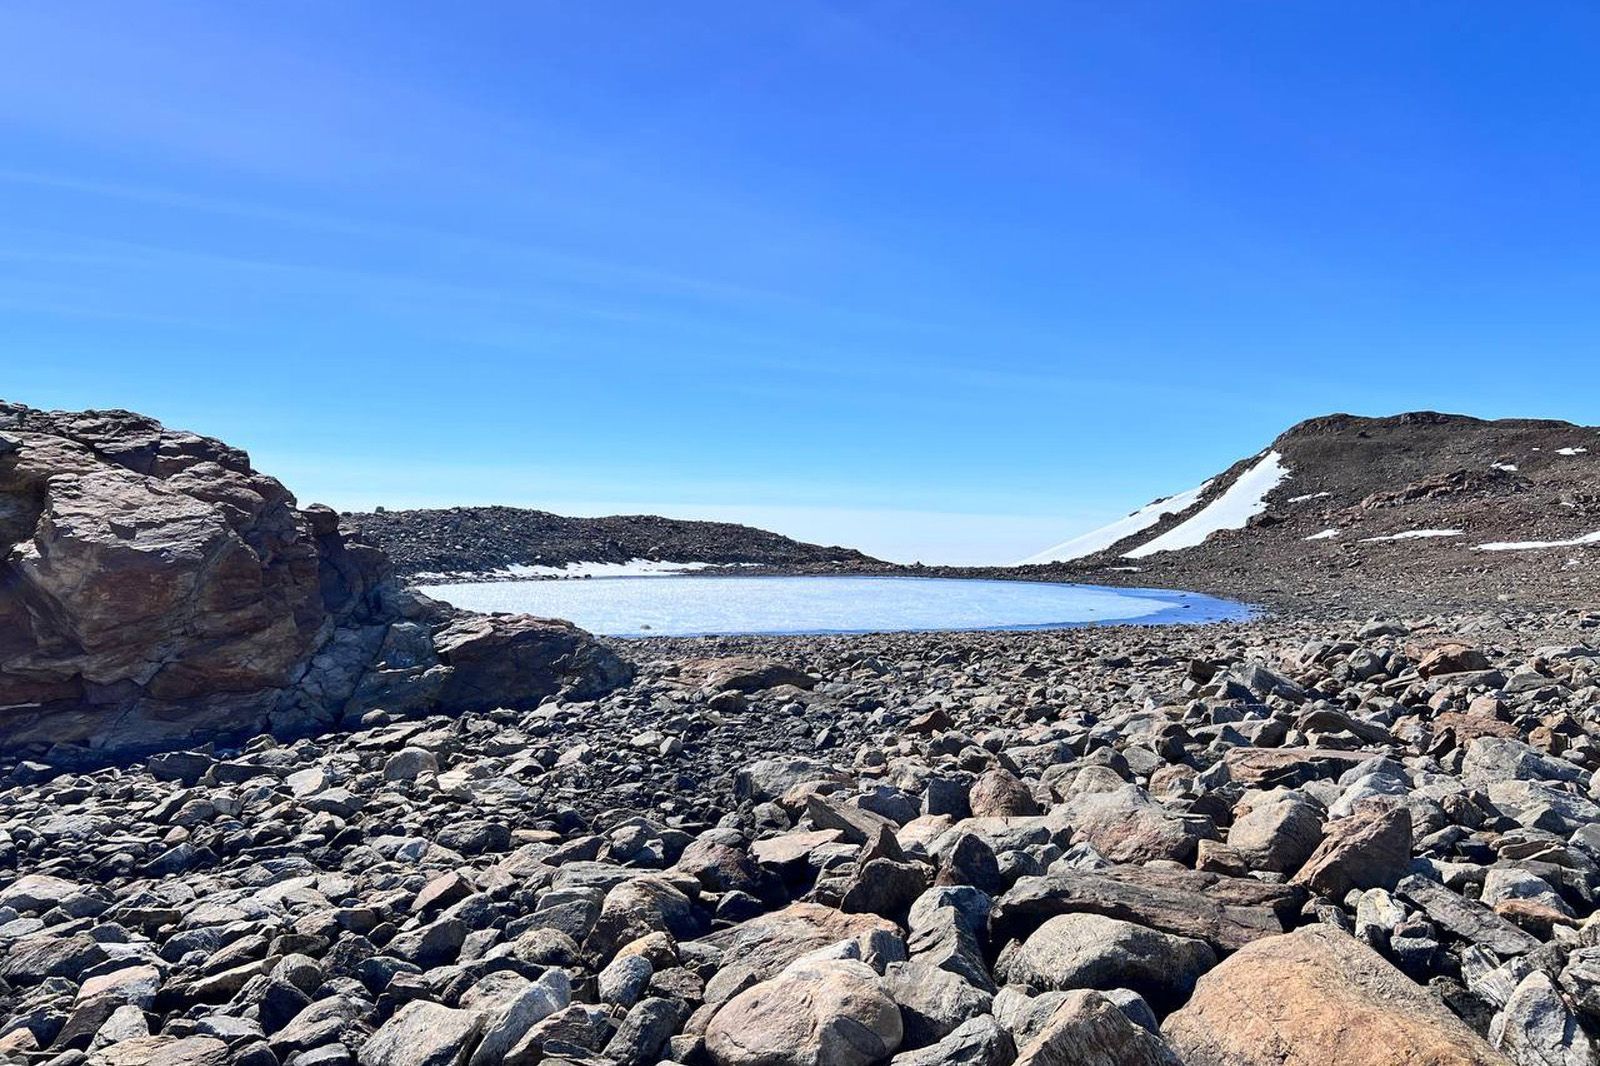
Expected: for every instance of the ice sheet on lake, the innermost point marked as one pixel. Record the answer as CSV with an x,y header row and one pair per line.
x,y
684,606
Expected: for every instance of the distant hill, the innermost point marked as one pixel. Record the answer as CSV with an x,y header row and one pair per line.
x,y
1428,501
482,539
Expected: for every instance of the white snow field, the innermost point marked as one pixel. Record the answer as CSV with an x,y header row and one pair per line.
x,y
1241,501
1571,451
1097,540
1326,534
1415,534
1531,545
631,568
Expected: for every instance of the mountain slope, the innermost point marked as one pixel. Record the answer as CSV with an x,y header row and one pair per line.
x,y
463,540
1457,505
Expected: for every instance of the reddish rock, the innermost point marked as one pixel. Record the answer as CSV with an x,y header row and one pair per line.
x,y
155,589
1319,996
1450,658
1368,849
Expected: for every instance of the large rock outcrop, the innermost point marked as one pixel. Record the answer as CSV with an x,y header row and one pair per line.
x,y
156,589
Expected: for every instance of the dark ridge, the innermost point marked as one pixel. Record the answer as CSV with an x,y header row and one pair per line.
x,y
1338,423
480,539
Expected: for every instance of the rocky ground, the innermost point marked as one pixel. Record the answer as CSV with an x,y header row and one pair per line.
x,y
1284,841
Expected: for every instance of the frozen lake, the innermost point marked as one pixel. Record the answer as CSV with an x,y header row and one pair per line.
x,y
697,606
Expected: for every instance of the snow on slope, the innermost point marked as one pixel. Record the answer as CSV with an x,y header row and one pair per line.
x,y
1098,540
1414,534
1532,545
631,568
1244,499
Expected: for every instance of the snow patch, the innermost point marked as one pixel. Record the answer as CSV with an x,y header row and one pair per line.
x,y
631,568
1310,496
1530,545
1326,534
1241,501
1099,540
1510,468
1571,451
1415,534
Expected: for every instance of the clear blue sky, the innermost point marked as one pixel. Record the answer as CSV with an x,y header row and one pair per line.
x,y
943,280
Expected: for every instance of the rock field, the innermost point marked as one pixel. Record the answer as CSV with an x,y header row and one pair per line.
x,y
1278,842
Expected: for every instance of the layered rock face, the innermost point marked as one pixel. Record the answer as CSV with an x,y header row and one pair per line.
x,y
154,588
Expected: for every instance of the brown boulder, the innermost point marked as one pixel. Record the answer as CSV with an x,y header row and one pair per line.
x,y
1126,825
517,660
829,1013
1087,1029
1275,830
1288,767
744,673
998,793
1450,658
760,948
163,1051
1319,996
1368,849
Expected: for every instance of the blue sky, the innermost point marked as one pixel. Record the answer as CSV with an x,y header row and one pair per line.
x,y
945,281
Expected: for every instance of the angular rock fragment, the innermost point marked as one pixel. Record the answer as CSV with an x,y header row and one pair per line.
x,y
1092,951
830,1013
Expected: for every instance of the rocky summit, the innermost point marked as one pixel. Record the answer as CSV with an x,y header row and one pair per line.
x,y
1345,513
155,589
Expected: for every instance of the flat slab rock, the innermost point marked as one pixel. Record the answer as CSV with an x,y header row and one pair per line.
x,y
1465,918
743,673
1289,767
1314,997
1225,912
